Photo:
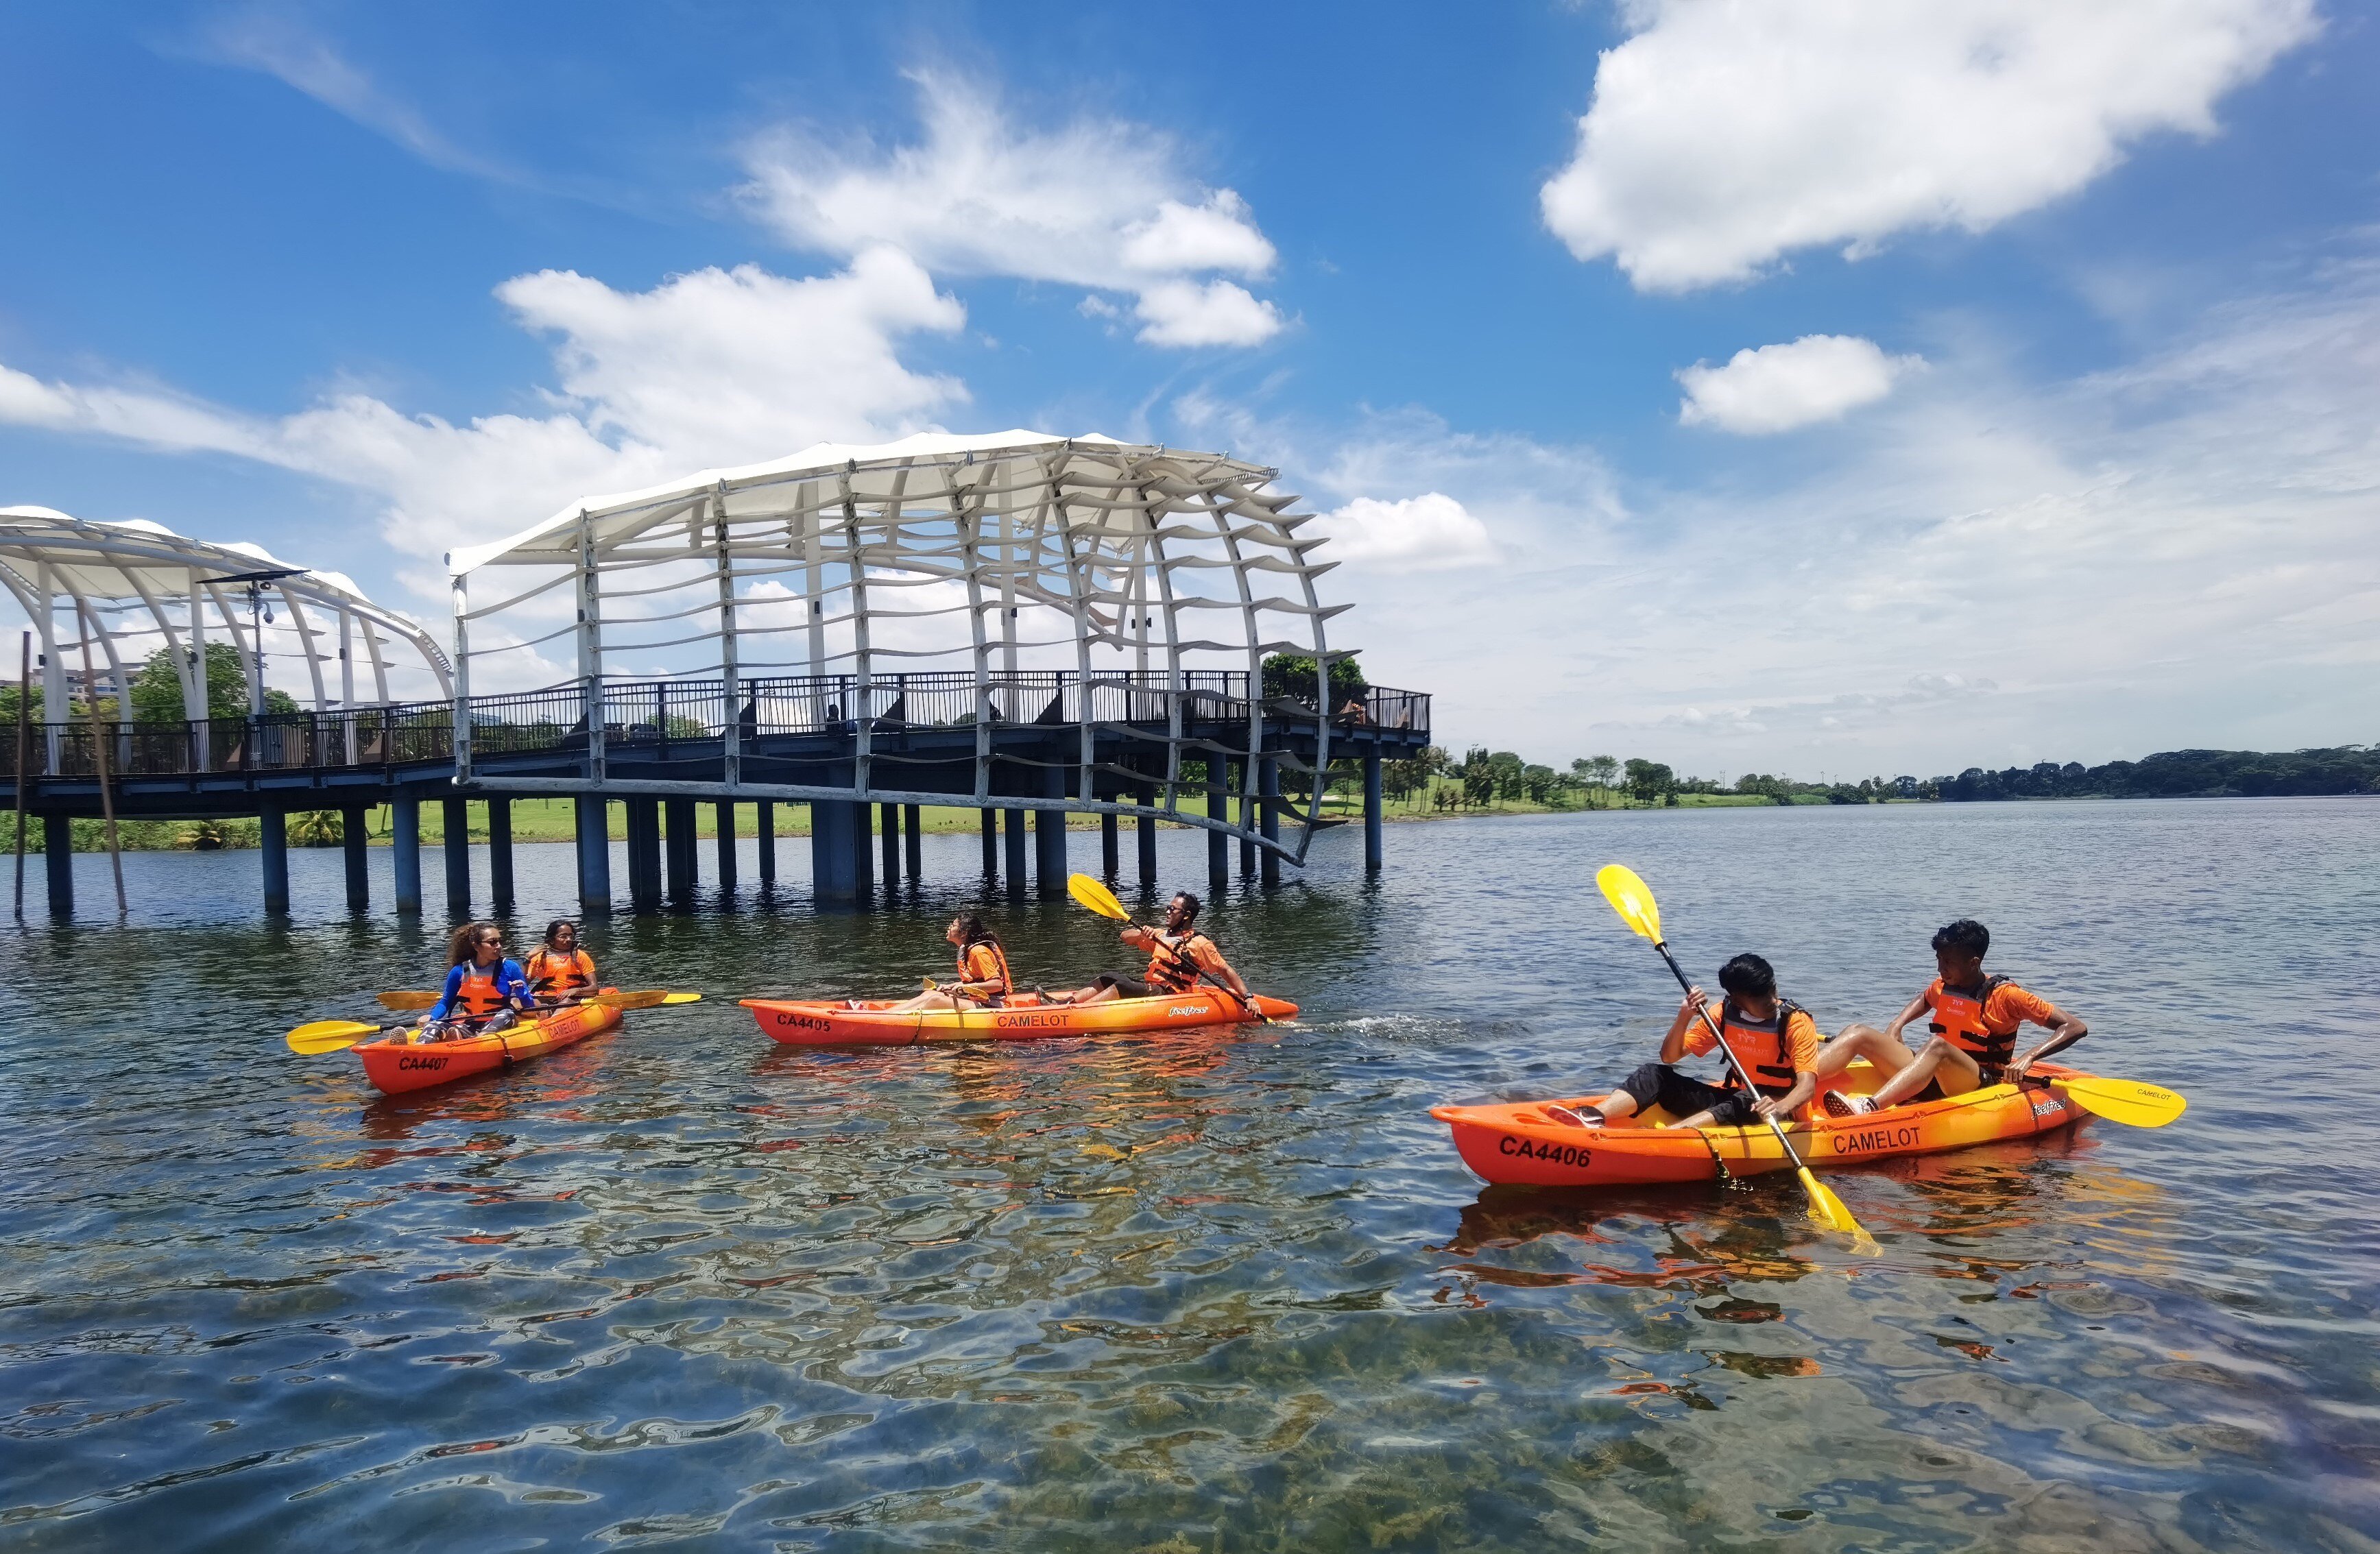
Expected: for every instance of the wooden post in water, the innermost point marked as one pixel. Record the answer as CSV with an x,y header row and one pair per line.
x,y
355,835
912,842
764,828
991,843
100,740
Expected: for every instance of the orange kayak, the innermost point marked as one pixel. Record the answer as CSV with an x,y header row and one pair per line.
x,y
833,1023
1524,1144
394,1066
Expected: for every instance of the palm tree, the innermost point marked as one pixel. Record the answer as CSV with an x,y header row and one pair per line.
x,y
319,828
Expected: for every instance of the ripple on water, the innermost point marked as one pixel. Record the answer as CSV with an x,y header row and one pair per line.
x,y
1212,1289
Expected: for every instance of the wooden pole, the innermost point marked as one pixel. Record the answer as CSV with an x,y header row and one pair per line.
x,y
24,737
100,740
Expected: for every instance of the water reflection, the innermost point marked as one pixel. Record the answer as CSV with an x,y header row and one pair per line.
x,y
1210,1289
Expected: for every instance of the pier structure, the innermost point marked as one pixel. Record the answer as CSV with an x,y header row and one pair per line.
x,y
1022,626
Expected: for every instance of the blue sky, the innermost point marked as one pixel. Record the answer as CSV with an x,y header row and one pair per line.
x,y
2059,441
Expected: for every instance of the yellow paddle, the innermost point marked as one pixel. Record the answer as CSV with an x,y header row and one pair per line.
x,y
1633,899
332,1036
407,1002
1089,892
2120,1100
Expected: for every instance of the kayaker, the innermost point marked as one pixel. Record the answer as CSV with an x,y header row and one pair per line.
x,y
1975,1024
1177,953
484,991
558,971
983,981
1774,1037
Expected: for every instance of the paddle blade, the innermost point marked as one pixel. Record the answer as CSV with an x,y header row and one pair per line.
x,y
1632,898
2123,1100
649,997
673,1000
1097,897
328,1036
406,1003
1828,1210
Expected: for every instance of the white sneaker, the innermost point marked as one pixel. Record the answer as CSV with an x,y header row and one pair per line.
x,y
1838,1104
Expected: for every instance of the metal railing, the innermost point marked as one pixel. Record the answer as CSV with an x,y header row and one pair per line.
x,y
652,713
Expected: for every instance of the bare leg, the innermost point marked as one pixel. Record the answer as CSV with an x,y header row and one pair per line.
x,y
936,1000
1941,1062
1101,992
1882,1052
1616,1105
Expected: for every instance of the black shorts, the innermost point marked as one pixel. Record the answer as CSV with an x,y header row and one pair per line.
x,y
1126,987
1992,1074
1681,1096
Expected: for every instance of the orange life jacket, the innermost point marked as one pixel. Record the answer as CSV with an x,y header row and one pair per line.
x,y
1172,967
1959,1018
1760,1046
554,977
984,962
481,994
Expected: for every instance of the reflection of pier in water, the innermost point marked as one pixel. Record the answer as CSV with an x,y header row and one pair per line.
x,y
822,590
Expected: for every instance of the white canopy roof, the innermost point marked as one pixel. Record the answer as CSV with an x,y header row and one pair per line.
x,y
877,473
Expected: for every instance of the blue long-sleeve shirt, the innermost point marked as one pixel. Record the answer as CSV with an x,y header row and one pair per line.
x,y
509,982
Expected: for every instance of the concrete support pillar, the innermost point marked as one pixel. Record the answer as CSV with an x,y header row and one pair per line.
x,y
1011,825
1050,836
913,846
57,863
457,818
990,844
888,818
1109,866
1268,814
499,855
405,853
726,852
594,854
1147,835
764,823
863,847
1219,806
644,827
678,816
1373,850
1247,818
355,839
830,851
273,848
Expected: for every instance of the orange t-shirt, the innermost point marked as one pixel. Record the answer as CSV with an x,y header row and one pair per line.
x,y
2008,1007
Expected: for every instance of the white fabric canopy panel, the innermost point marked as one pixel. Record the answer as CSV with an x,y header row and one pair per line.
x,y
125,589
946,567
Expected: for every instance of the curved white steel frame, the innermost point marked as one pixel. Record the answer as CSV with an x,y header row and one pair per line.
x,y
1134,565
134,587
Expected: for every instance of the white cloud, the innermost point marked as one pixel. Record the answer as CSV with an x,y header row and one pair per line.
x,y
1096,202
714,367
1430,532
1726,133
1777,388
1218,313
276,46
2177,552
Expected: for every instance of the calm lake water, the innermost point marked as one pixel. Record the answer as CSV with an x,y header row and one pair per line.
x,y
1209,1291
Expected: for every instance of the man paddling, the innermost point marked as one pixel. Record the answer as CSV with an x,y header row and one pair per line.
x,y
1774,1040
1974,1018
1177,953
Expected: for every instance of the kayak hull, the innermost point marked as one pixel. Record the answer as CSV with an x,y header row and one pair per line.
x,y
823,1023
1518,1144
396,1066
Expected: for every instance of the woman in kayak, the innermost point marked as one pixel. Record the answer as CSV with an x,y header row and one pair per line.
x,y
484,991
1975,1024
1773,1037
983,970
1177,955
558,971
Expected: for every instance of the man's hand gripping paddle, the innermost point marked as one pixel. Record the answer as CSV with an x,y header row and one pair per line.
x,y
1634,901
1093,896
